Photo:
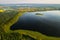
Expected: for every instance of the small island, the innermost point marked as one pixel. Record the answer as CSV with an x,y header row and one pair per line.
x,y
38,14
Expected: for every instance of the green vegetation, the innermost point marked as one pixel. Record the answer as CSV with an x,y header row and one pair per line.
x,y
5,32
9,17
39,14
33,9
15,36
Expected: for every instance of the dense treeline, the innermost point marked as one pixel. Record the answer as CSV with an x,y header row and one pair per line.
x,y
4,18
15,36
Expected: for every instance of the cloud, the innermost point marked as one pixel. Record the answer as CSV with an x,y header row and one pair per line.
x,y
29,1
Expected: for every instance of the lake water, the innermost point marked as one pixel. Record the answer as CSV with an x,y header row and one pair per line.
x,y
48,23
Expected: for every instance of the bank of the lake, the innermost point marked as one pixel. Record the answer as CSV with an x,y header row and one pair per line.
x,y
47,23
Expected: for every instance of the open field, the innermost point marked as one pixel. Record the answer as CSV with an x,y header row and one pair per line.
x,y
8,18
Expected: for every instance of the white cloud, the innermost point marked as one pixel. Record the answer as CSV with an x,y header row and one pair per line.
x,y
29,1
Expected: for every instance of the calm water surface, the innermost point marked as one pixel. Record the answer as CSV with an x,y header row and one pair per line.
x,y
48,23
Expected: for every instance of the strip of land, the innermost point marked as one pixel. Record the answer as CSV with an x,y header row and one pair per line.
x,y
5,25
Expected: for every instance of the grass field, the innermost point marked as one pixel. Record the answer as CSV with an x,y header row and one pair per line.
x,y
8,18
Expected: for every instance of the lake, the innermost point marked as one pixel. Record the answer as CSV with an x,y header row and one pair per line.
x,y
45,22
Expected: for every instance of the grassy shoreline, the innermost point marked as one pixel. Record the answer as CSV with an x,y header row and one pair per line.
x,y
11,22
35,35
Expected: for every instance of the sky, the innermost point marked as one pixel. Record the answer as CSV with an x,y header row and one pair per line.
x,y
30,1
